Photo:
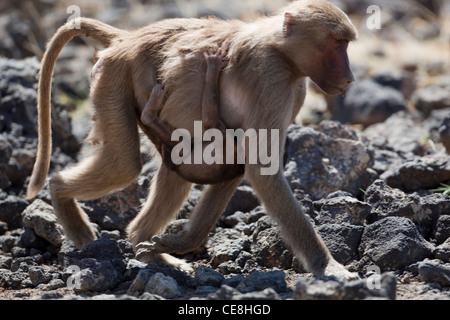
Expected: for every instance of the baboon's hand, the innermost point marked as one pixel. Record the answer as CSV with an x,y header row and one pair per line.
x,y
215,61
145,253
173,243
168,243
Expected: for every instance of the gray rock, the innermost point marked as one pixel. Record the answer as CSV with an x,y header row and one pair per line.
x,y
101,264
12,280
442,252
342,240
98,275
150,296
401,133
190,203
114,211
7,242
208,277
244,199
5,262
235,218
404,81
258,280
367,102
393,243
224,293
321,164
3,227
226,245
269,250
324,288
5,155
343,209
383,153
439,127
435,271
29,239
20,166
38,275
266,294
100,249
138,285
18,84
419,173
441,231
317,289
55,284
25,263
11,209
387,201
431,98
57,295
40,217
256,214
162,285
233,281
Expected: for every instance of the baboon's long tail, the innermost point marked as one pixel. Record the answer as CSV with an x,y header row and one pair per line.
x,y
97,30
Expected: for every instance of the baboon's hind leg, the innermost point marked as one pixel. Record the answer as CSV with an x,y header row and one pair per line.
x,y
115,164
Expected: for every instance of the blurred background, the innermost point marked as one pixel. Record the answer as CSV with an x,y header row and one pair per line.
x,y
411,47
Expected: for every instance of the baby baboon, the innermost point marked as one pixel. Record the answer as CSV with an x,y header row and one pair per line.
x,y
261,88
160,132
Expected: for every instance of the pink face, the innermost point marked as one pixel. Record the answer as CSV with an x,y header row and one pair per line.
x,y
331,68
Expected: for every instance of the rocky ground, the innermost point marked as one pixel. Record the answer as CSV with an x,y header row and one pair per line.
x,y
370,169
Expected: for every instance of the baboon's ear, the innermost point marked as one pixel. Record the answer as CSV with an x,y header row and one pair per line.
x,y
287,24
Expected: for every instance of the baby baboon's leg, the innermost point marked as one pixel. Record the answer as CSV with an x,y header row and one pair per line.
x,y
211,205
157,130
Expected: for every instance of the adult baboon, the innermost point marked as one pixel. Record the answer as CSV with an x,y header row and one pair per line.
x,y
262,87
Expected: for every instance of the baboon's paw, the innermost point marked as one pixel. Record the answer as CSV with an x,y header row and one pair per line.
x,y
172,243
337,270
146,254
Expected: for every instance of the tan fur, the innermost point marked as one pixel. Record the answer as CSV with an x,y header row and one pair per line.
x,y
160,132
262,87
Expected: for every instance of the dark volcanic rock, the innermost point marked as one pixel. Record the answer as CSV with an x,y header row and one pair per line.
x,y
393,243
367,102
100,264
321,164
419,173
342,240
331,289
387,201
